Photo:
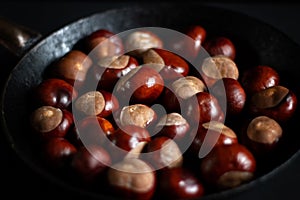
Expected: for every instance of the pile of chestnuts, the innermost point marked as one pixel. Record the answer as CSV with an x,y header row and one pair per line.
x,y
128,118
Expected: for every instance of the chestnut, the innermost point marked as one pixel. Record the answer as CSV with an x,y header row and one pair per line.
x,y
58,152
228,166
218,67
205,108
262,135
130,140
137,42
132,179
172,97
109,70
100,103
48,122
163,152
136,114
54,92
231,91
169,65
259,78
277,102
89,162
172,125
179,183
103,43
213,134
91,130
72,67
141,85
220,45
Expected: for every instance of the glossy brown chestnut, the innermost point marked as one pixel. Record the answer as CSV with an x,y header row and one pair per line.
x,y
169,65
277,102
163,152
213,133
136,114
103,43
172,125
206,108
141,85
179,183
258,78
91,130
72,67
137,42
231,91
228,166
262,135
132,179
48,122
108,71
89,162
130,140
111,104
220,45
218,67
173,97
58,152
54,92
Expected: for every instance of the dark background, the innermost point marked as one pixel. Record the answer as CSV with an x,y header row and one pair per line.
x,y
18,179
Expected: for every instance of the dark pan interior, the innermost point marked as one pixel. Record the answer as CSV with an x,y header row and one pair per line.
x,y
257,43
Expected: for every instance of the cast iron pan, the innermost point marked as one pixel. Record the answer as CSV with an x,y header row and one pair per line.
x,y
257,43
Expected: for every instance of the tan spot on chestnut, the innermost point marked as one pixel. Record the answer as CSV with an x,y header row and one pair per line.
x,y
90,103
232,179
132,174
114,62
220,66
46,118
137,114
171,155
188,86
171,119
269,97
264,130
219,127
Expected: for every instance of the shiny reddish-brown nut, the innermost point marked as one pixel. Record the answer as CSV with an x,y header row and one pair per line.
x,y
172,97
277,102
100,103
136,114
103,43
258,78
91,130
231,91
58,152
262,135
179,183
130,140
48,121
138,42
220,46
132,179
89,162
141,85
169,65
172,125
73,66
214,134
218,67
109,70
204,108
163,152
54,92
228,166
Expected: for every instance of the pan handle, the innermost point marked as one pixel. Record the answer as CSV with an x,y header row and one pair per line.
x,y
17,38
